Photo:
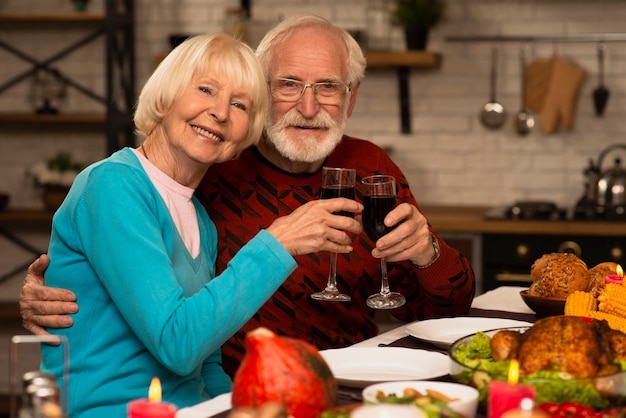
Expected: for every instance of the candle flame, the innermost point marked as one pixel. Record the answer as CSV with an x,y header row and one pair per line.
x,y
154,393
513,372
619,271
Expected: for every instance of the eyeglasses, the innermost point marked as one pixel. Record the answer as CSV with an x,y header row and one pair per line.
x,y
288,90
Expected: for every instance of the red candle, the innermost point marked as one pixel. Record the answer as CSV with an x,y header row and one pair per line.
x,y
152,407
615,278
505,396
143,408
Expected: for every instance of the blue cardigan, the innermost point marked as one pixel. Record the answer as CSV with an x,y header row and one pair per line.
x,y
147,308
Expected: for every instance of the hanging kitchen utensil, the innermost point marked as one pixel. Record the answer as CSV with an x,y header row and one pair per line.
x,y
601,93
493,114
524,120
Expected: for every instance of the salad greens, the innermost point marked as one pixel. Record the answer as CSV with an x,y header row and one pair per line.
x,y
431,405
551,386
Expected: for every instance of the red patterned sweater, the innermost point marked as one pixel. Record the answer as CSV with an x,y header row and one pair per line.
x,y
247,194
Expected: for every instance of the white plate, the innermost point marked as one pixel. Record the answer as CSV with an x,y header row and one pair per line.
x,y
466,397
443,332
363,366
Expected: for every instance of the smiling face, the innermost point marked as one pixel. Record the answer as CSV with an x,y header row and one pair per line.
x,y
205,102
305,131
209,122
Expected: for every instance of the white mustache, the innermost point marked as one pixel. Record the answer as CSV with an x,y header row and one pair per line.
x,y
320,121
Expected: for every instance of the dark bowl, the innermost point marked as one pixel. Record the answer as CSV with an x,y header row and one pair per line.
x,y
543,306
4,201
595,392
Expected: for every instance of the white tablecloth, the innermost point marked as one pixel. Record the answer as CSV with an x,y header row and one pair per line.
x,y
505,298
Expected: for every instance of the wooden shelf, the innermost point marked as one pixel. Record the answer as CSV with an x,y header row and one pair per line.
x,y
113,27
16,215
403,62
51,18
84,118
9,310
394,59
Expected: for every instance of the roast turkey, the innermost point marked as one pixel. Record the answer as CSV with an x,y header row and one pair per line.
x,y
568,344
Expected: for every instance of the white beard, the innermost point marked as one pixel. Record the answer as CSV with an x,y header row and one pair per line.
x,y
305,148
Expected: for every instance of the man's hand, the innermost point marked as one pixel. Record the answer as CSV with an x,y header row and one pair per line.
x,y
410,240
42,306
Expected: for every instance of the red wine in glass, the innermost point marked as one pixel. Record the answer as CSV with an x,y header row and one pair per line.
x,y
376,208
379,198
330,192
336,182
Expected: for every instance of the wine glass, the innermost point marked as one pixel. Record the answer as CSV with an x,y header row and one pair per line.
x,y
379,198
336,182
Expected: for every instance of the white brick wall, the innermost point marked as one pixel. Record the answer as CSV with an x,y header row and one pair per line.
x,y
449,158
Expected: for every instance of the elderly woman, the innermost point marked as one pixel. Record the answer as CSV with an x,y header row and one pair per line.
x,y
138,249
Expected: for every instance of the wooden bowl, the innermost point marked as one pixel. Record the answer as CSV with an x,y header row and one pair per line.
x,y
543,306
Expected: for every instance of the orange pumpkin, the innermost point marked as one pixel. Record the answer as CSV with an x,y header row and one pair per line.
x,y
285,370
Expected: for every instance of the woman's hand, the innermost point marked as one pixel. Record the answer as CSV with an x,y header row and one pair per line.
x,y
313,227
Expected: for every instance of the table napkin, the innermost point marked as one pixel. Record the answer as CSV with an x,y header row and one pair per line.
x,y
208,408
504,298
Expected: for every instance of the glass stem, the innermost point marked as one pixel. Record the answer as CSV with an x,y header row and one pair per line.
x,y
384,282
331,285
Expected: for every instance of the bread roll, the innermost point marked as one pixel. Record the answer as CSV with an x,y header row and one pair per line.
x,y
538,265
596,276
558,275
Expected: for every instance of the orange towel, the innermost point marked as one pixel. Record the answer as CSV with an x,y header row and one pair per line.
x,y
538,74
562,96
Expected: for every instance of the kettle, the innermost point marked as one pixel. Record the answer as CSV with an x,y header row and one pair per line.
x,y
605,195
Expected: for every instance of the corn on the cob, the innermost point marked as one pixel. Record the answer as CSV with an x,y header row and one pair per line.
x,y
612,299
580,303
615,322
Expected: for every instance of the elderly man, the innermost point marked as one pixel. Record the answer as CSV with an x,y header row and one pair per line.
x,y
324,66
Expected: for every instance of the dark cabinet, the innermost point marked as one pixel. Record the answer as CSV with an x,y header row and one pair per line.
x,y
507,258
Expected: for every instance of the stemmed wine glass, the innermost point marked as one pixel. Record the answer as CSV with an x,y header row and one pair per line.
x,y
336,182
379,198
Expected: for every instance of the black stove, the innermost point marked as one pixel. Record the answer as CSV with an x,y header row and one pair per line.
x,y
534,210
529,210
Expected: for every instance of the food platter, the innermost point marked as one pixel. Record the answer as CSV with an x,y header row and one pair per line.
x,y
442,332
363,366
552,387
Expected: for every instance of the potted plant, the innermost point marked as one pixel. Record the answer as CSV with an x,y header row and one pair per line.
x,y
55,176
417,17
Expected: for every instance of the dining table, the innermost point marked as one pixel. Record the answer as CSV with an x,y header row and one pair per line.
x,y
503,302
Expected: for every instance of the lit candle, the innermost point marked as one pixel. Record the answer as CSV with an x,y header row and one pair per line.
x,y
615,278
504,396
152,407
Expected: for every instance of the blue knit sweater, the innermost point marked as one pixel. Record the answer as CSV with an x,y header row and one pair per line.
x,y
147,308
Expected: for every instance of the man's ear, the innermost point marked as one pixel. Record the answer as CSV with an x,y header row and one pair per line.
x,y
352,103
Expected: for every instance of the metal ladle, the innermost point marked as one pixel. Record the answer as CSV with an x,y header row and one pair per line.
x,y
524,121
493,114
